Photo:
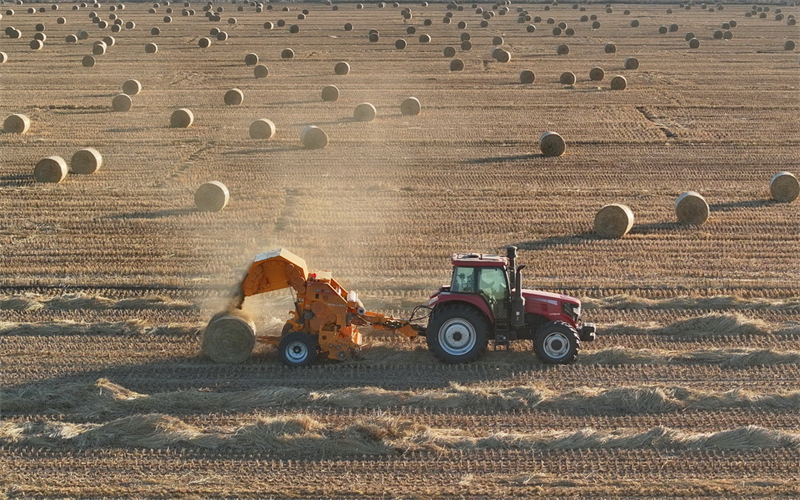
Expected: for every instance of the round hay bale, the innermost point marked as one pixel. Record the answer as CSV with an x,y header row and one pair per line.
x,y
694,43
784,187
151,48
567,78
449,52
155,31
262,129
610,48
110,41
732,23
341,68
167,19
132,87
663,30
116,28
130,25
688,36
410,106
102,25
313,137
569,31
424,39
71,39
229,339
691,209
287,54
86,161
497,41
204,42
596,25
619,83
462,25
364,112
98,48
634,23
234,97
484,24
36,44
3,57
374,37
231,21
122,102
631,63
261,71
348,26
222,36
211,197
456,65
673,28
727,35
788,45
330,93
527,76
50,169
530,28
400,44
15,34
613,221
557,31
411,30
596,74
88,61
181,118
562,49
39,27
503,56
791,21
294,29
251,59
718,35
552,144
16,124
466,45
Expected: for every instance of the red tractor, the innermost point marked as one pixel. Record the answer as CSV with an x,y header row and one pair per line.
x,y
485,300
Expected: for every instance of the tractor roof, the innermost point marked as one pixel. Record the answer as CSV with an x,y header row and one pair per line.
x,y
478,260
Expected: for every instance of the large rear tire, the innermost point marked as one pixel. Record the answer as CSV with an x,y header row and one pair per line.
x,y
556,342
297,349
229,338
457,333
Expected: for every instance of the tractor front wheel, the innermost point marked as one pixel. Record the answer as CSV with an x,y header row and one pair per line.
x,y
556,342
457,333
297,349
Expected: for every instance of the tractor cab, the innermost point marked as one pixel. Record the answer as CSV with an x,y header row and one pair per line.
x,y
486,276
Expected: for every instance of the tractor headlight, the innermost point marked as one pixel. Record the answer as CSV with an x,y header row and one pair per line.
x,y
571,310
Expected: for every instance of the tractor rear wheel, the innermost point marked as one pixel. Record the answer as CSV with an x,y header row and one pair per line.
x,y
556,342
457,333
297,349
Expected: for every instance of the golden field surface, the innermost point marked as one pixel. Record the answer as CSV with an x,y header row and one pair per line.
x,y
107,280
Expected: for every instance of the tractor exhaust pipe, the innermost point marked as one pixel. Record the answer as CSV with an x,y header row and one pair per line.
x,y
511,254
518,302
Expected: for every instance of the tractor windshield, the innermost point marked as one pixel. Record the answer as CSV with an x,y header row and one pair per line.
x,y
494,283
463,280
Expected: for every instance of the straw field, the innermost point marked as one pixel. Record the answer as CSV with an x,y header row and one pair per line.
x,y
107,278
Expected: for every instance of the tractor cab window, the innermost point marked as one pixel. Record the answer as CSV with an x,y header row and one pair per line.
x,y
463,280
494,283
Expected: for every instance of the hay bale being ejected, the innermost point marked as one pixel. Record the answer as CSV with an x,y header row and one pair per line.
x,y
364,112
229,339
552,144
132,87
122,102
50,169
330,93
86,161
211,197
181,118
691,209
262,129
613,221
313,137
410,106
784,187
16,124
234,97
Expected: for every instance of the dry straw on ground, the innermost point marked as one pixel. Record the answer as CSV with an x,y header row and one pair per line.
x,y
50,169
613,221
262,129
181,118
86,161
211,197
364,112
122,102
691,209
229,339
410,106
784,187
552,144
313,137
16,124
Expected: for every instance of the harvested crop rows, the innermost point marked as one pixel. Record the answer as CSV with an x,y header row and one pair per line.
x,y
107,280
